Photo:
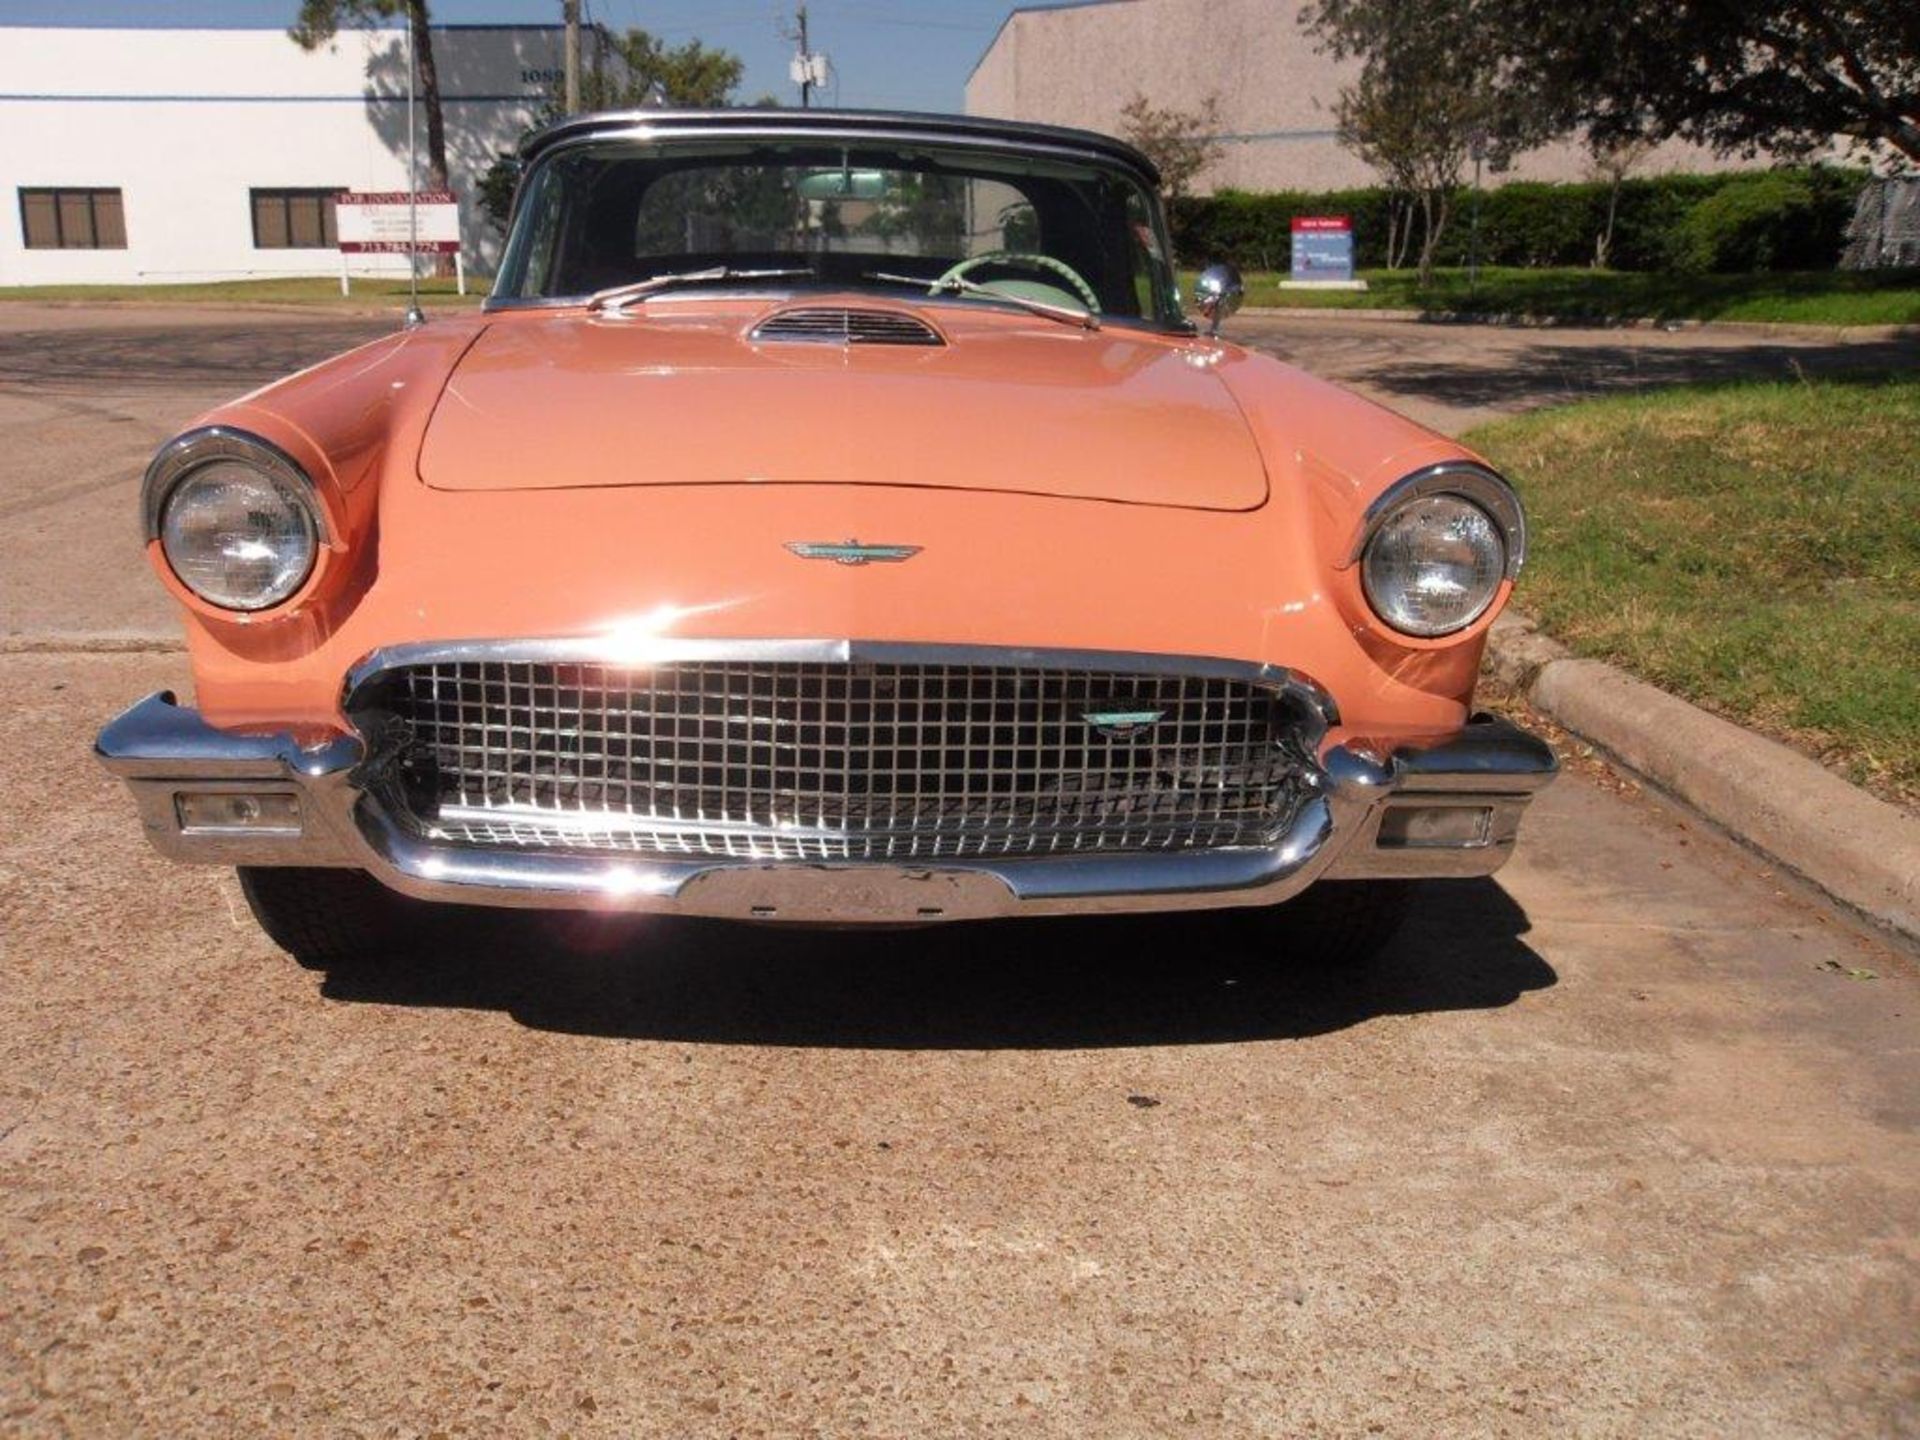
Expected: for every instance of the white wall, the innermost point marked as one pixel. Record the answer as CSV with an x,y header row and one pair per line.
x,y
185,122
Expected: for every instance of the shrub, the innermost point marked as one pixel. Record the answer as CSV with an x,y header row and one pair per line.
x,y
1255,229
1787,219
1744,226
1650,213
1527,222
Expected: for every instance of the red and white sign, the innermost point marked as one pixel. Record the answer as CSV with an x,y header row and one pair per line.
x,y
1322,250
377,222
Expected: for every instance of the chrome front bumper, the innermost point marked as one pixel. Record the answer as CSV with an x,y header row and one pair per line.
x,y
1448,807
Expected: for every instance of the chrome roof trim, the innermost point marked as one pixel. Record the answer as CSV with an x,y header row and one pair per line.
x,y
757,123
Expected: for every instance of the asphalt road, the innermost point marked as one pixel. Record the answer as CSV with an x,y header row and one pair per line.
x,y
1626,1142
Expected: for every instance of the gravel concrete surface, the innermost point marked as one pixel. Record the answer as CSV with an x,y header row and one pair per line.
x,y
1626,1142
86,396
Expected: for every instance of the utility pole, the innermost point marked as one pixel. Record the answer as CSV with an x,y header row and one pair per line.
x,y
807,70
415,315
570,9
806,60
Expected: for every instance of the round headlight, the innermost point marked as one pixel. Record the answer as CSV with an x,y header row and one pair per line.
x,y
237,536
1434,565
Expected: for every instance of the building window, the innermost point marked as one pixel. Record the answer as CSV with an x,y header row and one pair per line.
x,y
294,219
67,219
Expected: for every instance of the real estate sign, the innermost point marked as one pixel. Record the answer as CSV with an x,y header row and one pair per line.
x,y
1322,248
378,223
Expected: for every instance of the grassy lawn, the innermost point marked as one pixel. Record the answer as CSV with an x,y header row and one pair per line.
x,y
1820,298
291,290
1754,547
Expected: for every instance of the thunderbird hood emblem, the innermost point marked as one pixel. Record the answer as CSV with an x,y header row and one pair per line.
x,y
851,552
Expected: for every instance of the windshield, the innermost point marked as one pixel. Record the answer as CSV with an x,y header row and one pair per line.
x,y
1077,234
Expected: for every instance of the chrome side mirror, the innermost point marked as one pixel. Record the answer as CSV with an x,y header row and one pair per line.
x,y
1218,293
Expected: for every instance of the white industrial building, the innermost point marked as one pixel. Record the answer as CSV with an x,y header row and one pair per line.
x,y
167,155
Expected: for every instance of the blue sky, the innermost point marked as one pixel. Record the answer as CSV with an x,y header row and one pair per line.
x,y
905,54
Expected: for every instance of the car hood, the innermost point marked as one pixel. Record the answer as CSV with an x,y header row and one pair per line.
x,y
1006,403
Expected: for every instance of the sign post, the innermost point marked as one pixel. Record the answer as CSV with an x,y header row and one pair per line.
x,y
395,222
1476,147
1322,254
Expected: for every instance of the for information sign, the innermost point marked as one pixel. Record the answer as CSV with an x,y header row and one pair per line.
x,y
375,222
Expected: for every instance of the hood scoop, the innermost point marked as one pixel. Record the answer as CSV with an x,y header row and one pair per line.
x,y
843,325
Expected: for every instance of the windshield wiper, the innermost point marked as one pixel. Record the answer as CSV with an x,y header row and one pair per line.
x,y
1066,314
615,296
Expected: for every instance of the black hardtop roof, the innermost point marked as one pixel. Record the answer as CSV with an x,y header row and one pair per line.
x,y
882,124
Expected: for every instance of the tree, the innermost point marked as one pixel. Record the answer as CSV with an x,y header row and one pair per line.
x,y
1181,143
629,72
320,20
1741,76
1430,88
1378,126
650,72
1610,162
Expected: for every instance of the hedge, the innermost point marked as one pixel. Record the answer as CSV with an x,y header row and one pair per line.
x,y
1791,218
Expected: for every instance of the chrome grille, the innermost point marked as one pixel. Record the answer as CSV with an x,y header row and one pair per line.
x,y
833,761
839,325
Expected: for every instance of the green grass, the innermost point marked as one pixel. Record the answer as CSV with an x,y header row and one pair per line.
x,y
1754,547
291,290
1831,297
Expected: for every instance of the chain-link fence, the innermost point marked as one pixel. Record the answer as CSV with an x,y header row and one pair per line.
x,y
1885,230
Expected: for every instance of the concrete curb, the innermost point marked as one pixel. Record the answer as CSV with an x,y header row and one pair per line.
x,y
1762,329
1863,852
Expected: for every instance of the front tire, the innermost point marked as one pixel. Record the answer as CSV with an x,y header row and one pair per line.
x,y
328,919
1337,922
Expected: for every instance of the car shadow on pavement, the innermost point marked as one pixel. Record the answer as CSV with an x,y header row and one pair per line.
x,y
1203,978
1547,374
239,355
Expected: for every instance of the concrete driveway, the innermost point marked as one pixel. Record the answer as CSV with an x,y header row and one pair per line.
x,y
1625,1143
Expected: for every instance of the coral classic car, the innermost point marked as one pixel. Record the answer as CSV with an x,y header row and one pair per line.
x,y
829,518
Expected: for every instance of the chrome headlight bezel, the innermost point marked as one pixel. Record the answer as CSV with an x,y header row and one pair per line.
x,y
184,457
1462,480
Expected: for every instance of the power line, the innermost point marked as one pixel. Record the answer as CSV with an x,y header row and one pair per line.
x,y
869,17
698,15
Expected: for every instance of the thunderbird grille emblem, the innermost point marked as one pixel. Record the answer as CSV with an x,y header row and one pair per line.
x,y
852,552
1120,722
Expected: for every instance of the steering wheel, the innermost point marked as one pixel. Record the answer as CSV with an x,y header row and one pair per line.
x,y
1036,262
